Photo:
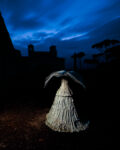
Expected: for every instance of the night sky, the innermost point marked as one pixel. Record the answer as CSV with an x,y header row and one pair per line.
x,y
72,25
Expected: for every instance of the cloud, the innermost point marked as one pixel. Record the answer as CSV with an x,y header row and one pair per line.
x,y
68,24
74,36
109,30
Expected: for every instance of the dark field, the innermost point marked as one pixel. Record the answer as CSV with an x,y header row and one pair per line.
x,y
23,128
23,112
22,124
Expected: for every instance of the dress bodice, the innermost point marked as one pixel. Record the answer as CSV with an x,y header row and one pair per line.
x,y
64,89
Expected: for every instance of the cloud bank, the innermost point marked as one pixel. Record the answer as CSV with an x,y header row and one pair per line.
x,y
71,25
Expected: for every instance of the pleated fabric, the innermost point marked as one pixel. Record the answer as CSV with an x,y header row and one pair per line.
x,y
63,116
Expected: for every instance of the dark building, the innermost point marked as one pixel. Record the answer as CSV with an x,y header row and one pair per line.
x,y
6,45
32,53
8,55
16,69
46,61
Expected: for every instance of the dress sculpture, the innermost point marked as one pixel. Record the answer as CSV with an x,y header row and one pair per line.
x,y
63,116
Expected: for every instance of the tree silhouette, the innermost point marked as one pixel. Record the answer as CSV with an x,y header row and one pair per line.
x,y
74,56
80,56
114,51
90,62
105,44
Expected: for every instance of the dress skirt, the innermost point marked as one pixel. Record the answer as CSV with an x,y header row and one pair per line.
x,y
63,116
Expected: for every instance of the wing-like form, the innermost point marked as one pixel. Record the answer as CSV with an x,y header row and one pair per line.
x,y
71,74
75,77
54,74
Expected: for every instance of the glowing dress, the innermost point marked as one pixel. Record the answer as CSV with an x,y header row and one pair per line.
x,y
63,116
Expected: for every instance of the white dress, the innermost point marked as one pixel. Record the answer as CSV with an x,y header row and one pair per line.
x,y
63,116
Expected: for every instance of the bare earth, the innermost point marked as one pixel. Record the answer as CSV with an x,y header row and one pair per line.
x,y
24,129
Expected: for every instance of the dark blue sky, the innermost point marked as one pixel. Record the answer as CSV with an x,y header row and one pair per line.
x,y
72,25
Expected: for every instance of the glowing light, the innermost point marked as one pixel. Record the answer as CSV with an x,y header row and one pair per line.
x,y
73,36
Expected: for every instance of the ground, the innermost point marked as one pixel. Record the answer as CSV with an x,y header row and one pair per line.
x,y
23,128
